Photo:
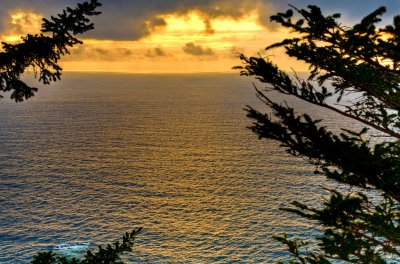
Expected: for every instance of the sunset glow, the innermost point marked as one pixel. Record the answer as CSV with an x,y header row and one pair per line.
x,y
166,38
20,23
183,45
186,43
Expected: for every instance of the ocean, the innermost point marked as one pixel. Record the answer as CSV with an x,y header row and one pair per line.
x,y
97,154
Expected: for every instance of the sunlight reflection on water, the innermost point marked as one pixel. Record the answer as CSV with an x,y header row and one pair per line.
x,y
95,156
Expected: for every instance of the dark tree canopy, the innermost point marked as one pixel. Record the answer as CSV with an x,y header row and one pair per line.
x,y
41,52
362,60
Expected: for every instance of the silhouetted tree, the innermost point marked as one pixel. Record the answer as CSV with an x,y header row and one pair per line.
x,y
41,52
109,254
358,227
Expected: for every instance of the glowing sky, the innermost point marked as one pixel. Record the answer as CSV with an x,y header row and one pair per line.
x,y
174,35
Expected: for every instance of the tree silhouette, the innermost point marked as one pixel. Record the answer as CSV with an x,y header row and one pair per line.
x,y
358,227
41,52
107,255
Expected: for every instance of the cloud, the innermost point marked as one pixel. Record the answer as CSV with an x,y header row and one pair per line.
x,y
208,27
19,22
134,19
197,50
156,52
234,52
96,53
137,19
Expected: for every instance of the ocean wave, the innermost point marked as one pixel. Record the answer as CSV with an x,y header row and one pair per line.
x,y
73,246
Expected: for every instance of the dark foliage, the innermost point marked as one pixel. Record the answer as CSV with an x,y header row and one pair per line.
x,y
104,255
358,227
41,52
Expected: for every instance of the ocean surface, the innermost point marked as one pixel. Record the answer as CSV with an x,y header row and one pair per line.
x,y
96,155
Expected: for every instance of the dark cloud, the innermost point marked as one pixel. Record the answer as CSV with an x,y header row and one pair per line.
x,y
208,27
95,53
197,50
138,18
133,19
156,52
234,52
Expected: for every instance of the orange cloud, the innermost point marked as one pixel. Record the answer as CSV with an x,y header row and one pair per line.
x,y
197,50
18,23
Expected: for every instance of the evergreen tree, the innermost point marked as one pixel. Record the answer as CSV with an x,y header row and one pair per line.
x,y
358,227
41,52
104,255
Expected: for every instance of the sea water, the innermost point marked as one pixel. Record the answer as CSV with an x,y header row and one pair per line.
x,y
96,155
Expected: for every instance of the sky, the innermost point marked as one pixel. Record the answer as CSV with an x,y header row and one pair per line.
x,y
171,36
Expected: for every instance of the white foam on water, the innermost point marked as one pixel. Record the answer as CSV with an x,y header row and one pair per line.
x,y
72,249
